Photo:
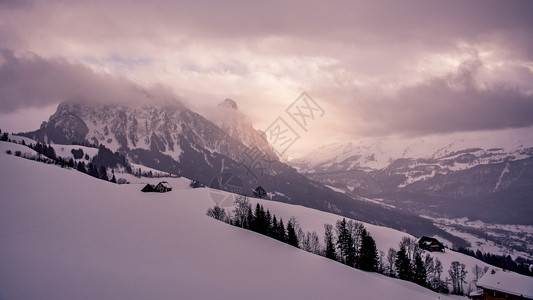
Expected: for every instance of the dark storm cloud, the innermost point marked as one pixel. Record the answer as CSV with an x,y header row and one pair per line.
x,y
429,23
263,51
14,4
33,81
448,104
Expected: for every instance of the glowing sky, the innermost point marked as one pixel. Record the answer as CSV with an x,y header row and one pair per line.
x,y
377,68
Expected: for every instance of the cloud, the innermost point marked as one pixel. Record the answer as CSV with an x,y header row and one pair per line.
x,y
378,67
33,81
452,103
140,25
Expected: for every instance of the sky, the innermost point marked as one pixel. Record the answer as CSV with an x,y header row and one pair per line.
x,y
375,68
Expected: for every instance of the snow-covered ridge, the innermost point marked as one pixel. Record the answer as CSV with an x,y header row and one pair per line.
x,y
378,153
113,241
419,159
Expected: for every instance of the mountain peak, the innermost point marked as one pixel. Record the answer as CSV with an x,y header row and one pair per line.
x,y
229,103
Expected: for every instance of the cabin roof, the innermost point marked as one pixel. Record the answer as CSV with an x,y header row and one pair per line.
x,y
429,240
507,282
476,293
165,184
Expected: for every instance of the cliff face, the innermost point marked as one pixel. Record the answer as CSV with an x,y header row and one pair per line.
x,y
177,140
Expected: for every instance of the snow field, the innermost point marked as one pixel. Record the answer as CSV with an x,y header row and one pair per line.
x,y
66,235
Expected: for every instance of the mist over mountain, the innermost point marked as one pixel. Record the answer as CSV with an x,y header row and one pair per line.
x,y
177,140
214,104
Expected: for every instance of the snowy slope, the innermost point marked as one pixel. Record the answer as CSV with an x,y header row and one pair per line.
x,y
314,220
24,150
65,235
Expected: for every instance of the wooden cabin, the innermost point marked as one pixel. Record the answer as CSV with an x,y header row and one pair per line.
x,y
430,244
161,187
499,284
148,188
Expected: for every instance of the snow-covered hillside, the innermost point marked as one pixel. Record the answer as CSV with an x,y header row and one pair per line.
x,y
66,235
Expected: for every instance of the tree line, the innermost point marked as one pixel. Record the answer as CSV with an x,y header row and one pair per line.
x,y
349,243
519,265
47,154
96,167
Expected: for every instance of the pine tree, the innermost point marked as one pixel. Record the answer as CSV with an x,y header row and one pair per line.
x,y
345,243
292,238
103,173
419,270
81,167
274,228
330,244
254,225
403,264
259,223
49,152
282,233
260,192
268,223
92,170
368,258
249,221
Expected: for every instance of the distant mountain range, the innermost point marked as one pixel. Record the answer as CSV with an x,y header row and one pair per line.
x,y
174,139
486,176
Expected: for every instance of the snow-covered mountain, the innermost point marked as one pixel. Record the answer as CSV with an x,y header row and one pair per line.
x,y
66,235
177,140
476,175
171,137
451,152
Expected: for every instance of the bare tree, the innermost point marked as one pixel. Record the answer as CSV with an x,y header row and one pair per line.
x,y
381,262
242,205
437,272
356,229
305,240
391,259
457,273
478,272
411,247
218,213
303,244
315,243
